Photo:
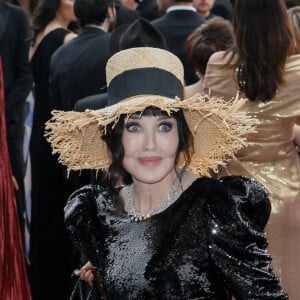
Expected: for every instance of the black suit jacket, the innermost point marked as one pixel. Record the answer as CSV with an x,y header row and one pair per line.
x,y
14,33
91,102
148,9
223,8
176,26
126,15
77,69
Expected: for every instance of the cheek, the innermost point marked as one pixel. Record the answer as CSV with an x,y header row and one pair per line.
x,y
169,144
130,144
67,10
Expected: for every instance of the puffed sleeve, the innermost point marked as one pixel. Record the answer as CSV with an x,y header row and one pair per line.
x,y
82,218
238,214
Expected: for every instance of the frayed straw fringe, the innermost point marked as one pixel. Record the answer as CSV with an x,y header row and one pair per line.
x,y
219,127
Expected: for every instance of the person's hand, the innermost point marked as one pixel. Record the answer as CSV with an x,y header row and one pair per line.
x,y
86,273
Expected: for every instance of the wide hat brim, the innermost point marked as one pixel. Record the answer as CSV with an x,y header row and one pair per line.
x,y
219,129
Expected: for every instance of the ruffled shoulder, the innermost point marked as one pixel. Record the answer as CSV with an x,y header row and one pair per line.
x,y
247,199
82,213
237,215
238,212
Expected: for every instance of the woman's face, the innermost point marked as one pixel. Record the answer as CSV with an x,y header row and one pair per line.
x,y
150,146
66,11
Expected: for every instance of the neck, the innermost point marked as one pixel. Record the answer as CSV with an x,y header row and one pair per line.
x,y
204,15
148,196
104,28
58,21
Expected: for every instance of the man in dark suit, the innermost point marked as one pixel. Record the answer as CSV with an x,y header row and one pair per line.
x,y
148,9
125,15
14,32
179,21
138,34
77,69
91,102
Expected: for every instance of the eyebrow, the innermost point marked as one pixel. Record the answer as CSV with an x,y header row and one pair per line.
x,y
138,116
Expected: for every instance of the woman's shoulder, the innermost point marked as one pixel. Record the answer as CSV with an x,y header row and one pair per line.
x,y
221,58
293,63
235,196
86,199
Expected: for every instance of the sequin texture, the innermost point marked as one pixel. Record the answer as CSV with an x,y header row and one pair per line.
x,y
209,244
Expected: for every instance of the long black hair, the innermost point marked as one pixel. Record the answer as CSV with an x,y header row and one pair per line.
x,y
264,40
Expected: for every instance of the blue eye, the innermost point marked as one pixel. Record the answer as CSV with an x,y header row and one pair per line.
x,y
165,127
133,127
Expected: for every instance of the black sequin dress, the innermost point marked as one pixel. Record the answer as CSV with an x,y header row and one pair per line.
x,y
209,244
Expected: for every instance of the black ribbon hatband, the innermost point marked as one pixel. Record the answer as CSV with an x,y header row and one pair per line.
x,y
144,81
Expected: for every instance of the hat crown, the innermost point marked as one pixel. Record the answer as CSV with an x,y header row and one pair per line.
x,y
141,33
143,57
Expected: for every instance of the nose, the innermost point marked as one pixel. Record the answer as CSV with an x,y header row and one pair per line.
x,y
149,140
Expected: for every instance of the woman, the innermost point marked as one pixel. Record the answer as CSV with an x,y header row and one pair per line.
x,y
214,35
264,70
294,14
50,21
167,233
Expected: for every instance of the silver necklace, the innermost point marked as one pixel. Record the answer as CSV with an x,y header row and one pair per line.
x,y
165,203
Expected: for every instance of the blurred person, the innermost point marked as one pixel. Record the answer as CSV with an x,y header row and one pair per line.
x,y
294,14
179,20
292,3
223,8
264,69
125,15
138,34
169,231
50,21
29,5
148,9
204,7
13,282
77,69
14,33
214,35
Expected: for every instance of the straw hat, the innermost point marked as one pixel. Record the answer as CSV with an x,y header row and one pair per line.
x,y
138,78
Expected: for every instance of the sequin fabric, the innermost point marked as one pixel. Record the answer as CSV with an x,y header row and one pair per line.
x,y
209,244
270,156
272,159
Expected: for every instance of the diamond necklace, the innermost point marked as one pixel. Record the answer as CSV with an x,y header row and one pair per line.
x,y
166,202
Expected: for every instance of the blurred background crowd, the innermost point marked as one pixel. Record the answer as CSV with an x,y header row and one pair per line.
x,y
53,55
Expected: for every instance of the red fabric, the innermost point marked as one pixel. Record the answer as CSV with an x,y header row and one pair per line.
x,y
13,277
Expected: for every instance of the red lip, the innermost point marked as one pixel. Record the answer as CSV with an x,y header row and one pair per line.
x,y
150,161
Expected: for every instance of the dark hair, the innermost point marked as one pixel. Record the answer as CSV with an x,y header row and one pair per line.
x,y
43,14
294,14
32,4
214,35
91,11
113,138
292,3
264,39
